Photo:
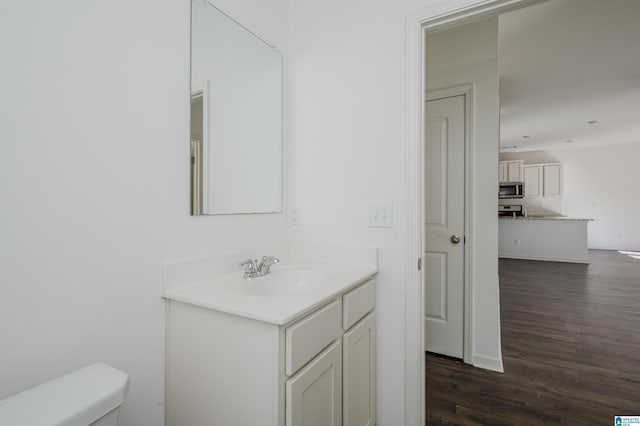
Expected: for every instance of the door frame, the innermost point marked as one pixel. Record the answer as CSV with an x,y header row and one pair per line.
x,y
439,16
201,89
465,90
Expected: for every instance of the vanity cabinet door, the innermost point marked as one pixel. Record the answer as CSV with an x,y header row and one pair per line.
x,y
314,395
359,373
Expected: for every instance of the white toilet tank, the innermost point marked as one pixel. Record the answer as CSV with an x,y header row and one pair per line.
x,y
89,396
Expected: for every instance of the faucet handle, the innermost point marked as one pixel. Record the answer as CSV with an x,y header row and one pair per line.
x,y
265,264
245,262
270,260
249,264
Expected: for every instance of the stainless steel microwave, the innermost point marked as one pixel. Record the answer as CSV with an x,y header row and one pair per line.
x,y
511,190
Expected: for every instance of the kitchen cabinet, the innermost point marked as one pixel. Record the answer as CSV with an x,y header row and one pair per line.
x,y
552,177
317,369
502,171
542,180
510,171
533,185
514,171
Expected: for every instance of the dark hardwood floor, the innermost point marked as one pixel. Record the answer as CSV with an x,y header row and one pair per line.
x,y
570,347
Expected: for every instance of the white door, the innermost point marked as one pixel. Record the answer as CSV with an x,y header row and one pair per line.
x,y
444,214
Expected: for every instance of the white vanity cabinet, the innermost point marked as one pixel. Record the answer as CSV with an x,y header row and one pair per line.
x,y
359,373
314,396
318,369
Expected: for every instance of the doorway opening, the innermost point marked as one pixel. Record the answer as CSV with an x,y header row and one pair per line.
x,y
197,137
420,24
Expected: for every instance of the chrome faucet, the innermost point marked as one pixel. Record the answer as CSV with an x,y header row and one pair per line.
x,y
254,268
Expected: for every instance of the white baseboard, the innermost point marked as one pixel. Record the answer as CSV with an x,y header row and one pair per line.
x,y
488,363
546,259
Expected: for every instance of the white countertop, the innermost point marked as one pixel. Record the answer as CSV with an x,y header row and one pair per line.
x,y
544,218
250,298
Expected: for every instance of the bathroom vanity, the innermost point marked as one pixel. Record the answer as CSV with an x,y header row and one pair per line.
x,y
295,347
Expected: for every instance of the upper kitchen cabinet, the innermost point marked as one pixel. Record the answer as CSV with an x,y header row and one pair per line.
x,y
552,176
533,184
502,171
542,180
511,171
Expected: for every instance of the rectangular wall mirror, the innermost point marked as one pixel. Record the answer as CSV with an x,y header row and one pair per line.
x,y
236,117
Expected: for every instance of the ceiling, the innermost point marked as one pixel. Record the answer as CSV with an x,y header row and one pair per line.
x,y
563,64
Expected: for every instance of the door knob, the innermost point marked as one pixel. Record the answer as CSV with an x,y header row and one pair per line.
x,y
455,239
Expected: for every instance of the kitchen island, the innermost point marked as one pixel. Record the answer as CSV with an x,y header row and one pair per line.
x,y
551,238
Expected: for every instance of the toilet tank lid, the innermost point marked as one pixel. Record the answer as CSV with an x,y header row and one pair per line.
x,y
78,398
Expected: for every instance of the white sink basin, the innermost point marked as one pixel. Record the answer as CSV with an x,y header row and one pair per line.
x,y
289,282
290,289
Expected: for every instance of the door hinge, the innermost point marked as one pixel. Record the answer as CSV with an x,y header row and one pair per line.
x,y
419,264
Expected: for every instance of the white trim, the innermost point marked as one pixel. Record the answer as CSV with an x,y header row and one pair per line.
x,y
414,396
446,13
201,88
488,363
546,259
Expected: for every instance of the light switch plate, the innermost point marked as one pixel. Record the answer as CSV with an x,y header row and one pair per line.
x,y
295,216
381,216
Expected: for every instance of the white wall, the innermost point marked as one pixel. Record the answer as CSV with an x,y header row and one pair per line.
x,y
463,55
94,175
94,123
347,69
599,183
349,118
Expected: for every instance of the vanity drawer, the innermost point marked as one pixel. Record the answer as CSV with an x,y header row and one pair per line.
x,y
357,303
309,336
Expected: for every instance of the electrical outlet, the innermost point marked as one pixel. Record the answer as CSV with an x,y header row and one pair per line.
x,y
516,242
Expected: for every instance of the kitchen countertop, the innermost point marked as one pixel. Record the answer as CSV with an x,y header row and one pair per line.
x,y
545,218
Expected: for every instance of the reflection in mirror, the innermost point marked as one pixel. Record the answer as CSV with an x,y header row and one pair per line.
x,y
236,117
